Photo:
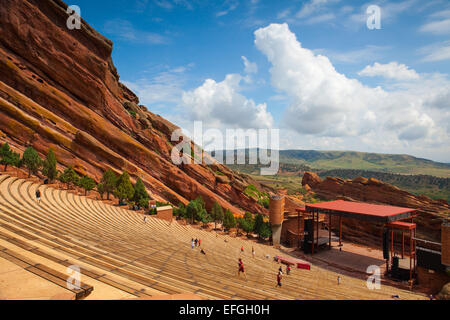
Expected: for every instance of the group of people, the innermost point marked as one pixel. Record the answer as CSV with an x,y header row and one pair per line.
x,y
197,243
253,251
280,274
241,269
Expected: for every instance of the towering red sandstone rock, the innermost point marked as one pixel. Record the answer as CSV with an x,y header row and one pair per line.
x,y
59,88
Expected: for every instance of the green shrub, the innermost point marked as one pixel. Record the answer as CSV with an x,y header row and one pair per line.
x,y
216,213
109,182
31,160
265,230
124,189
228,220
8,157
132,113
49,166
87,184
141,196
101,189
70,177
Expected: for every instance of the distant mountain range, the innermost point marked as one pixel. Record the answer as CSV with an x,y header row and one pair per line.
x,y
416,175
389,163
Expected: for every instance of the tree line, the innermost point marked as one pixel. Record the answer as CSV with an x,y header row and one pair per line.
x,y
120,186
135,195
195,211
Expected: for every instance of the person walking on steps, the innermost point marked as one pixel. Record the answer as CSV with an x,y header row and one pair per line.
x,y
199,242
145,219
288,269
279,277
253,252
242,249
241,268
193,243
196,241
38,196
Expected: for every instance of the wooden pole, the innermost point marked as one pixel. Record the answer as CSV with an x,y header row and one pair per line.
x,y
403,244
410,256
415,251
312,237
298,223
392,245
329,231
383,230
317,235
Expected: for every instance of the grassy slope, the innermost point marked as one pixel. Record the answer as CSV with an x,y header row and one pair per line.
x,y
329,160
403,164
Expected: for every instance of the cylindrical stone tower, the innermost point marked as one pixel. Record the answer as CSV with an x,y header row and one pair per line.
x,y
276,217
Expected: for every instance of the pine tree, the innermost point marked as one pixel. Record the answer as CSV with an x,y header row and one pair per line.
x,y
228,220
191,210
216,213
109,181
247,223
101,190
141,196
143,203
87,184
265,230
31,160
259,221
180,211
49,166
70,177
8,157
203,216
124,189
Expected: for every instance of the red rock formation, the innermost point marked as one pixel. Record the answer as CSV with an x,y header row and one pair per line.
x,y
310,179
59,88
429,218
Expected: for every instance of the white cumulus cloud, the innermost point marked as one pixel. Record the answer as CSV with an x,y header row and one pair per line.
x,y
326,103
391,70
220,104
250,67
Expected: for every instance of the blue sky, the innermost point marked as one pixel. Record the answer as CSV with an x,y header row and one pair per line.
x,y
313,69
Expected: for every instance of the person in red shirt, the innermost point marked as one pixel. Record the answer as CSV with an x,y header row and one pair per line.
x,y
279,277
241,268
199,242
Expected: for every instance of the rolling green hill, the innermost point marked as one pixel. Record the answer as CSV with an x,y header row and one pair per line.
x,y
416,175
391,163
330,160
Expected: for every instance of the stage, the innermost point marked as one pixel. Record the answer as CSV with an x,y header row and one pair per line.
x,y
351,257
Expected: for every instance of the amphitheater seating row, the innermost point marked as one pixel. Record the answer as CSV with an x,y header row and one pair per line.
x,y
119,253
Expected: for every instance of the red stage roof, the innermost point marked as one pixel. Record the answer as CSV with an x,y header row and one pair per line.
x,y
363,211
402,225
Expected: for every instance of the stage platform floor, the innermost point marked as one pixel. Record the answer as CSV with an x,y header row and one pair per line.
x,y
352,257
